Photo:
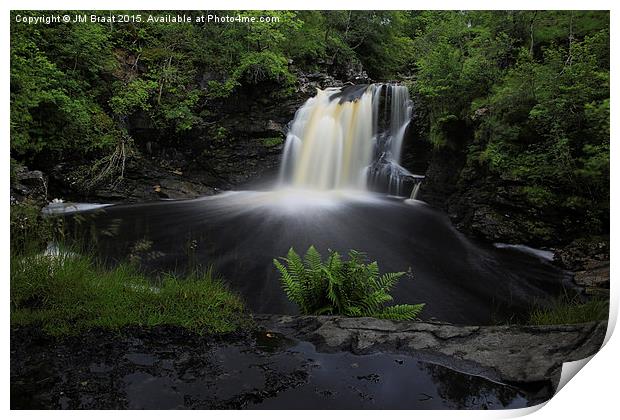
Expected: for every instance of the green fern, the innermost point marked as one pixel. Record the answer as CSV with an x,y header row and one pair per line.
x,y
408,312
337,287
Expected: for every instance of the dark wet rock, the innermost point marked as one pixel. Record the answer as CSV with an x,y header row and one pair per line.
x,y
594,278
596,274
354,363
144,179
503,353
484,207
584,253
588,258
27,184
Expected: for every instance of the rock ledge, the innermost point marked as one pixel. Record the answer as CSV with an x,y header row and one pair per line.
x,y
509,354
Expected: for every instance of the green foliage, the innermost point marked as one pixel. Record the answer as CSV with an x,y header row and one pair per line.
x,y
548,128
54,106
571,312
258,67
538,196
132,96
73,86
338,287
219,133
533,88
272,141
66,294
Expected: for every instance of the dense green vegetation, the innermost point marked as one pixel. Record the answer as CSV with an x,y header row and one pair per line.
x,y
533,88
337,287
74,85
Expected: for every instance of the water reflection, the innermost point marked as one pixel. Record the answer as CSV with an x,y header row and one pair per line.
x,y
162,369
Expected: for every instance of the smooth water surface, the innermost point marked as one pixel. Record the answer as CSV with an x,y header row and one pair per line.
x,y
239,234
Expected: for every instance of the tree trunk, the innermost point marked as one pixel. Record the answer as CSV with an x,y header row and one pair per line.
x,y
532,34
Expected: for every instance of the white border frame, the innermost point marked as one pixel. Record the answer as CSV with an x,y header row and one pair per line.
x,y
591,394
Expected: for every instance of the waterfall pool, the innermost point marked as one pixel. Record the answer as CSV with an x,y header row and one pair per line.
x,y
240,233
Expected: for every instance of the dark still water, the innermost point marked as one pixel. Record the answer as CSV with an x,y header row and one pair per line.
x,y
166,369
239,234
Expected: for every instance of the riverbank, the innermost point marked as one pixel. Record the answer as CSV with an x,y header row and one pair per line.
x,y
297,362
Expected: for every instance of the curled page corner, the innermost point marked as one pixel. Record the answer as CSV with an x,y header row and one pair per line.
x,y
613,317
569,370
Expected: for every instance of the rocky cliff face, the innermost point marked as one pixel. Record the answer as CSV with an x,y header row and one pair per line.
x,y
490,209
486,205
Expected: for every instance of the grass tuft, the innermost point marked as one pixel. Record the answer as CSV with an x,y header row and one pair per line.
x,y
67,294
570,312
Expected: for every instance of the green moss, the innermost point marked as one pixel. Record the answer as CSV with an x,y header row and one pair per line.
x,y
272,141
219,133
538,196
570,312
68,294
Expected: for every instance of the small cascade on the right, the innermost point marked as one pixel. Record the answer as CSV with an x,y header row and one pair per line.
x,y
392,115
416,188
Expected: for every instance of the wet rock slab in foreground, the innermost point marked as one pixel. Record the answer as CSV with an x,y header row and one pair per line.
x,y
505,353
294,363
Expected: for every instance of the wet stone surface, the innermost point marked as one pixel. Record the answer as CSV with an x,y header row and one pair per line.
x,y
169,368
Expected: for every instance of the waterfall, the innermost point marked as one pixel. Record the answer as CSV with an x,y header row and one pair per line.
x,y
349,138
415,190
400,112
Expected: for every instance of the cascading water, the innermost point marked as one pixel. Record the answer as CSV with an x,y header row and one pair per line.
x,y
349,138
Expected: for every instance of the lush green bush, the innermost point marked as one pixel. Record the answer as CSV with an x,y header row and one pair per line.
x,y
263,66
68,294
337,287
525,96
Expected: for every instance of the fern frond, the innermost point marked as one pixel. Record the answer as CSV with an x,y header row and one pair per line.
x,y
353,311
291,287
324,310
373,302
373,270
401,312
313,259
387,281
